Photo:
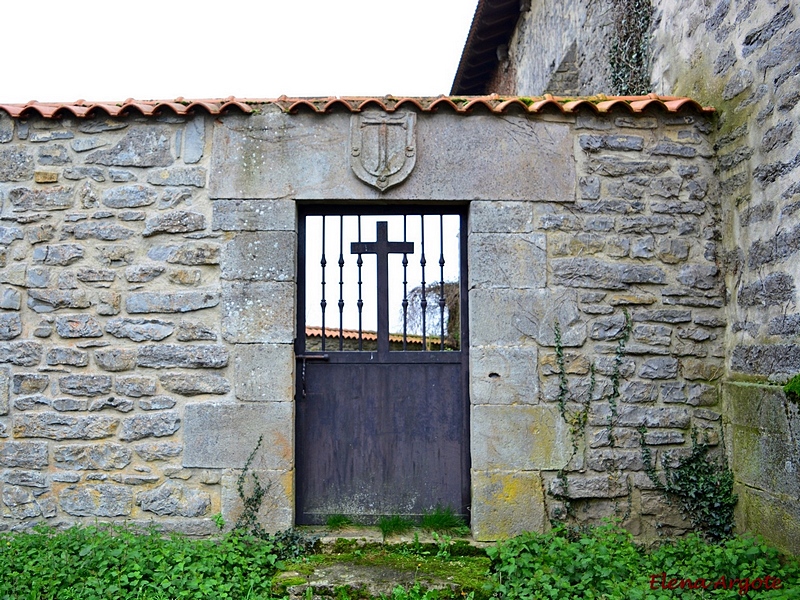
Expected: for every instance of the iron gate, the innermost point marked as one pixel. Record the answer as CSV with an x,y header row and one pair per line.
x,y
381,393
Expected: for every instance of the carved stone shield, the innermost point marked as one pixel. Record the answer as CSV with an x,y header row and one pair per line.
x,y
383,147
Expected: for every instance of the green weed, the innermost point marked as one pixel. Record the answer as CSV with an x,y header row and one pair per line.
x,y
444,520
336,522
394,525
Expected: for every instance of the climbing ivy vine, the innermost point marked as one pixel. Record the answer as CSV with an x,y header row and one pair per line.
x,y
629,55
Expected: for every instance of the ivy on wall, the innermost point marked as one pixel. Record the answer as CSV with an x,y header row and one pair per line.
x,y
629,56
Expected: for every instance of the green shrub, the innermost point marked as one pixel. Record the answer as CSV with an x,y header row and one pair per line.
x,y
93,563
604,563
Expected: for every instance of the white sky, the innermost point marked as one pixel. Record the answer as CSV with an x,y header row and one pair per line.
x,y
62,50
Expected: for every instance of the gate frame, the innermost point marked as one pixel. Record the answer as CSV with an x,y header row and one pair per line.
x,y
462,209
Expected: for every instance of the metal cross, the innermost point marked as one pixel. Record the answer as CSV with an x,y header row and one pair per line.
x,y
382,247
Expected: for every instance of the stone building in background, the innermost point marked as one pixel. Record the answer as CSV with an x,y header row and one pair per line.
x,y
743,58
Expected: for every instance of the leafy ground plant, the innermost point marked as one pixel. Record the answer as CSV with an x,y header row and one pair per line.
x,y
94,563
337,522
604,562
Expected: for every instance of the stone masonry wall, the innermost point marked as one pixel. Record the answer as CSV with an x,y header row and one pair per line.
x,y
113,324
148,308
743,57
640,239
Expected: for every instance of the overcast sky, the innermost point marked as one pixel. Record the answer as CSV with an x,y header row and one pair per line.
x,y
62,50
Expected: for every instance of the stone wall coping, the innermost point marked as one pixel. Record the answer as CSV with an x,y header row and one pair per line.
x,y
495,104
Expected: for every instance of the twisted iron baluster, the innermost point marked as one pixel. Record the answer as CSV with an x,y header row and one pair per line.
x,y
360,302
423,302
405,288
341,282
441,280
323,304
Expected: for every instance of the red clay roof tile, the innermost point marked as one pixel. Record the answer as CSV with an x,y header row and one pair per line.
x,y
459,104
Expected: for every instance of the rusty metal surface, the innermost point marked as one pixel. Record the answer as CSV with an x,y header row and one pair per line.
x,y
463,105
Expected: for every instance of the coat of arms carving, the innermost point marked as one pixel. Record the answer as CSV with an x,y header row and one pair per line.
x,y
383,147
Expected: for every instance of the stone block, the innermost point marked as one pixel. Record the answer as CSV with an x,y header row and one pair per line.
x,y
85,385
100,500
506,503
254,215
194,356
313,162
500,260
264,372
25,455
19,383
661,367
190,331
174,499
78,326
135,386
194,140
82,457
58,254
140,330
48,199
190,253
522,317
116,359
194,384
15,164
208,429
119,404
49,300
157,451
157,403
177,176
170,302
276,512
10,326
67,356
594,273
501,217
265,256
21,354
637,416
22,384
129,196
780,361
56,426
138,427
176,221
775,516
141,146
254,312
519,438
504,375
143,273
578,486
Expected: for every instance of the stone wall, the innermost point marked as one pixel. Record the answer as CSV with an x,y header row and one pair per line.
x,y
148,286
742,57
637,240
558,48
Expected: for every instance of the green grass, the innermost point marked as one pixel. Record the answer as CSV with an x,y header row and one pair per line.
x,y
444,520
337,522
394,525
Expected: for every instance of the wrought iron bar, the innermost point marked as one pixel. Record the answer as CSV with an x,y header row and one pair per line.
x,y
360,303
323,304
441,280
341,282
423,301
405,287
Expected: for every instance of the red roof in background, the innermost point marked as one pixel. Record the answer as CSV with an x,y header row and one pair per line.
x,y
458,104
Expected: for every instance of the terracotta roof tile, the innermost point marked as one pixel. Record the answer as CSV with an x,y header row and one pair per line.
x,y
459,104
